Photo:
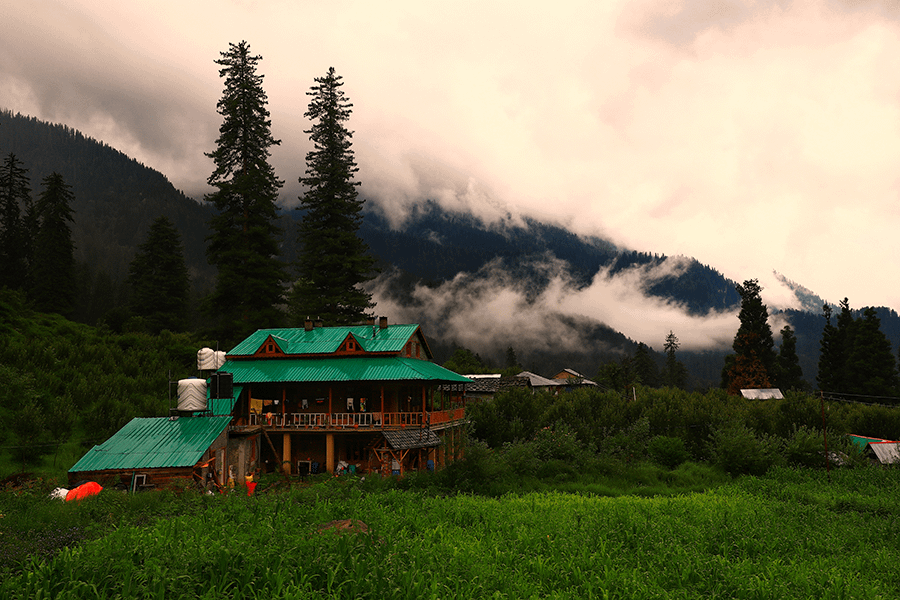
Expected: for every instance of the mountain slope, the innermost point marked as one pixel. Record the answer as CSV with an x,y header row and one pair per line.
x,y
116,197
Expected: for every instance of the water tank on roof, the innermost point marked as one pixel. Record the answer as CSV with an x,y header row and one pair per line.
x,y
191,394
209,359
221,385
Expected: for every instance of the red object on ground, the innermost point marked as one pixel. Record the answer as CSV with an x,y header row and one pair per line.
x,y
251,487
91,488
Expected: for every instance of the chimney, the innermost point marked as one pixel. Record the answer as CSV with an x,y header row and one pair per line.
x,y
370,320
383,323
319,322
308,324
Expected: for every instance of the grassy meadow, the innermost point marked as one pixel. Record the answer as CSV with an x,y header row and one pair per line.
x,y
792,533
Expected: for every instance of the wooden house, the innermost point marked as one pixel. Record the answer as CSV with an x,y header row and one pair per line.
x,y
363,398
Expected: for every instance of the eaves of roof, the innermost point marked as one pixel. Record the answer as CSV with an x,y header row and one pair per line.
x,y
344,369
157,442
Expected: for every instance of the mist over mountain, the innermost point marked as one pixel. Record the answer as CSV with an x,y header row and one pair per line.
x,y
559,300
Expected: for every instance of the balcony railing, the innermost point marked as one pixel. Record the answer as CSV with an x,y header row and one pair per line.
x,y
392,420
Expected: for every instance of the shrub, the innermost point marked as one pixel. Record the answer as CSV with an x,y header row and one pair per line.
x,y
667,451
738,451
805,448
629,443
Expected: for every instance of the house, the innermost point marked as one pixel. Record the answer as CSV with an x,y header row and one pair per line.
x,y
572,379
485,387
363,398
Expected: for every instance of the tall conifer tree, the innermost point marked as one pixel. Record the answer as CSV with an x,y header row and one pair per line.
x,y
15,198
53,284
829,354
158,278
244,243
676,372
333,261
753,363
870,367
789,374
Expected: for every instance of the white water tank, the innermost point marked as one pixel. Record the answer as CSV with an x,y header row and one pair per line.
x,y
209,359
191,394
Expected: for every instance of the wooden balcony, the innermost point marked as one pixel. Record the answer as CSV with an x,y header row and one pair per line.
x,y
365,421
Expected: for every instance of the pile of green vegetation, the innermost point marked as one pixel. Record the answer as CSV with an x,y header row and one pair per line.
x,y
792,533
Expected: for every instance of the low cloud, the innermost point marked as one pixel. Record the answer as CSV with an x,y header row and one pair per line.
x,y
490,309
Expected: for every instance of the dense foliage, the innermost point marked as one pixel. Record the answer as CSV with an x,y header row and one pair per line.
x,y
66,381
737,435
334,262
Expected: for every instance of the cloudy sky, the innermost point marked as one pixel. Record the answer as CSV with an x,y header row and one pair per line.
x,y
752,135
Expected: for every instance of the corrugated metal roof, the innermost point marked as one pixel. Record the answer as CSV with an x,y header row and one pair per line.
x,y
411,438
762,394
538,381
322,370
887,453
326,340
147,443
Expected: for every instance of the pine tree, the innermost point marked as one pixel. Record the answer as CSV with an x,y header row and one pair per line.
x,y
159,280
675,373
333,261
754,359
53,283
244,243
15,198
829,354
645,368
870,367
789,374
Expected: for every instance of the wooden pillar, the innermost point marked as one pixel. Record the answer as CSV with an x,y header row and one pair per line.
x,y
286,454
329,403
423,403
329,452
382,403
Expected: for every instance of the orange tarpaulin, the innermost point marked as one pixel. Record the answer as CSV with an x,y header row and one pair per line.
x,y
90,488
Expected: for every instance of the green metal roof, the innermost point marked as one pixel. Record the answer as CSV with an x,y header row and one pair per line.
x,y
321,370
147,443
326,340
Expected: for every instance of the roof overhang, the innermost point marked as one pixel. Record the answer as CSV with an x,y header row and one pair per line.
x,y
411,438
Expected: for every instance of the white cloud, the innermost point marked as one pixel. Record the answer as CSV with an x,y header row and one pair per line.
x,y
751,135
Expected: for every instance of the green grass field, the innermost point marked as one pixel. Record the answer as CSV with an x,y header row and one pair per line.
x,y
789,534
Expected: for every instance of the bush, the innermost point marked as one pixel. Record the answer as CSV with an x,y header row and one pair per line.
x,y
738,451
667,451
805,448
629,443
